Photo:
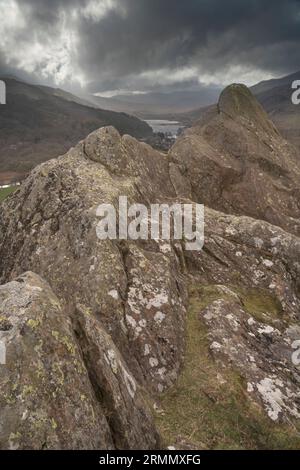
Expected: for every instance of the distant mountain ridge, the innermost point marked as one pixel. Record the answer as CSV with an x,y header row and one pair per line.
x,y
157,104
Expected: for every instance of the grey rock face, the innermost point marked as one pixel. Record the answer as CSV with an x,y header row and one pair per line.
x,y
46,398
260,351
63,386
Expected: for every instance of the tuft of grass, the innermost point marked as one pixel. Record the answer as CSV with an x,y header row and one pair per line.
x,y
4,192
208,407
264,306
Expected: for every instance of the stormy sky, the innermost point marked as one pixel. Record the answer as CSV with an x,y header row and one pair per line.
x,y
143,45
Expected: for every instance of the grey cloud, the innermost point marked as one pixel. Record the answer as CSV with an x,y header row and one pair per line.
x,y
141,36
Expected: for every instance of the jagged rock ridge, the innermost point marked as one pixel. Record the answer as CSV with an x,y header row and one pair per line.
x,y
237,162
107,319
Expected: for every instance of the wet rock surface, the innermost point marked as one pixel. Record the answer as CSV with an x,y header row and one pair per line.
x,y
125,306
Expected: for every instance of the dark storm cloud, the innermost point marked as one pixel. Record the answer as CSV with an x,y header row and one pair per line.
x,y
171,34
141,44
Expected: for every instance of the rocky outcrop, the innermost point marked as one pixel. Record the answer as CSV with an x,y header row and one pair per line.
x,y
55,236
259,349
124,306
237,162
63,386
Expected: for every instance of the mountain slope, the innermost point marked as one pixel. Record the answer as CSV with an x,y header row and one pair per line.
x,y
39,123
275,97
267,85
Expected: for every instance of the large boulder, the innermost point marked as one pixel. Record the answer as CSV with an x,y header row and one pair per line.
x,y
63,386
